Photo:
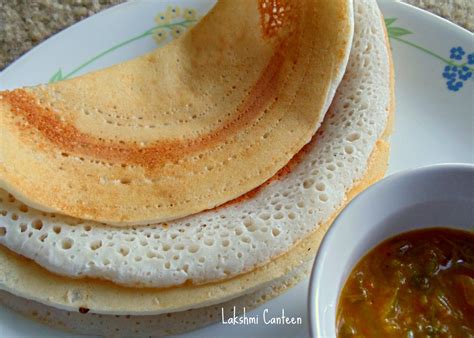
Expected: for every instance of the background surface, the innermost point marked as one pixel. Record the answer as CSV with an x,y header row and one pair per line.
x,y
25,23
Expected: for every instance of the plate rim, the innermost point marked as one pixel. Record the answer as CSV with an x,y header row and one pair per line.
x,y
435,19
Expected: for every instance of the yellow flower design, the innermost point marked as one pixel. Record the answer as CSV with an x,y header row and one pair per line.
x,y
160,35
162,18
173,23
173,11
177,31
189,14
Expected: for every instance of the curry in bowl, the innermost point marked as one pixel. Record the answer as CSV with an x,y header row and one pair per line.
x,y
417,284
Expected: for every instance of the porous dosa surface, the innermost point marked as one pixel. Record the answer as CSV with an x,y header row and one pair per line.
x,y
26,279
150,326
231,240
184,128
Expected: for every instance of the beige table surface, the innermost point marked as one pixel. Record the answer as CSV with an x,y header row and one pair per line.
x,y
25,23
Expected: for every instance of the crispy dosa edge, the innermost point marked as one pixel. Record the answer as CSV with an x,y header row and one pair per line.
x,y
153,325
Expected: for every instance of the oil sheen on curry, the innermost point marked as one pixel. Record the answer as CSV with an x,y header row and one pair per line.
x,y
417,284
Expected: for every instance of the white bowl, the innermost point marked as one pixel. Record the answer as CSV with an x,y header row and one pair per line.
x,y
434,196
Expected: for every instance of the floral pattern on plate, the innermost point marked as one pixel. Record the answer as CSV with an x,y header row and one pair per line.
x,y
170,23
173,22
457,70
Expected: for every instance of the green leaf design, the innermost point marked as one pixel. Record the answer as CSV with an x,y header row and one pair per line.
x,y
398,31
58,76
389,21
394,32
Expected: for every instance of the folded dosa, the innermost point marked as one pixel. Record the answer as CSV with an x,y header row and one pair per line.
x,y
347,153
184,128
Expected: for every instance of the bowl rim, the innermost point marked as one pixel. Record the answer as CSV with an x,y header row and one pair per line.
x,y
316,271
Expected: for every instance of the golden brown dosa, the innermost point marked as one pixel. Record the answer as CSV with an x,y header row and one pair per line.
x,y
184,128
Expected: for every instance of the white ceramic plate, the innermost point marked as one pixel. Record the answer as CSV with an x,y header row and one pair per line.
x,y
434,116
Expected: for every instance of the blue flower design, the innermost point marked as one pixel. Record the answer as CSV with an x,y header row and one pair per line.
x,y
454,85
457,53
457,72
470,59
450,72
465,73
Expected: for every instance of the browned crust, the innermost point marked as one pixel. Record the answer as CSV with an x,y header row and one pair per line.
x,y
259,100
85,169
69,139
